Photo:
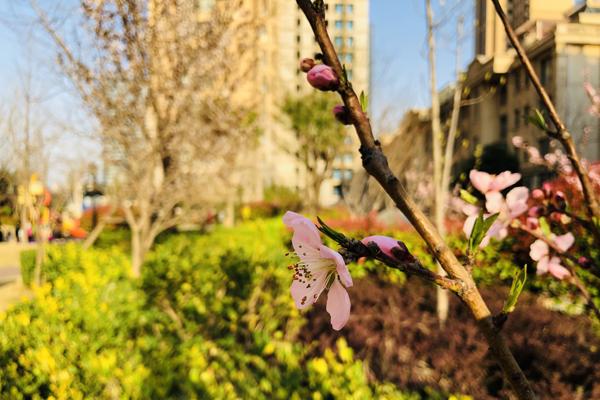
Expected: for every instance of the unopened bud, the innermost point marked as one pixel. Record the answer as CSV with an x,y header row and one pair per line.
x,y
561,200
307,64
342,114
537,212
585,263
401,253
538,194
547,189
560,218
322,77
532,223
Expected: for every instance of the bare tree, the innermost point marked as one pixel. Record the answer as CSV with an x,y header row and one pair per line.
x,y
319,136
161,78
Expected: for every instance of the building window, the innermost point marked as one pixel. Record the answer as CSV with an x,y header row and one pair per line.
x,y
350,42
339,24
337,173
545,71
264,85
339,41
337,190
517,118
349,57
544,146
264,58
526,112
348,158
518,80
503,95
338,159
503,128
350,25
339,8
347,140
349,73
299,22
262,32
349,9
348,174
298,39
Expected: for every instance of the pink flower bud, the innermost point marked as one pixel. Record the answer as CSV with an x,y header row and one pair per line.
x,y
391,247
322,77
585,263
532,223
561,200
342,114
537,212
547,189
307,64
538,194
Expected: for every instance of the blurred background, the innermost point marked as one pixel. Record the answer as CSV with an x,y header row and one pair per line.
x,y
150,147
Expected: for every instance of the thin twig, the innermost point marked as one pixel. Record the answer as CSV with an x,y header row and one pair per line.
x,y
562,134
375,163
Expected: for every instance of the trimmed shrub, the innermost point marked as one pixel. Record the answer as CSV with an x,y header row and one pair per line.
x,y
28,258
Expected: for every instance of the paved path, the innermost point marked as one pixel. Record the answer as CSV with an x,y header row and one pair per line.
x,y
9,273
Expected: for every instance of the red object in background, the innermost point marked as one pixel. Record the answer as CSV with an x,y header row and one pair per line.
x,y
78,232
47,197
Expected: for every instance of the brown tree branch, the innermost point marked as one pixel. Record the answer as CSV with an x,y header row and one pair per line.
x,y
375,163
562,134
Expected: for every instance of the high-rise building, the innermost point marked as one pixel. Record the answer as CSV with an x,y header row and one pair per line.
x,y
285,38
562,41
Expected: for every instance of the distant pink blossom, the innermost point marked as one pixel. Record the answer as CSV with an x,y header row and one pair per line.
x,y
518,141
485,182
539,251
322,77
319,267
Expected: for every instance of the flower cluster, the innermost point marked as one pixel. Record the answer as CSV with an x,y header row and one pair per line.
x,y
509,209
323,268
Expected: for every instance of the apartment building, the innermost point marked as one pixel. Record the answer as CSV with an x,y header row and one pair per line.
x,y
284,39
563,43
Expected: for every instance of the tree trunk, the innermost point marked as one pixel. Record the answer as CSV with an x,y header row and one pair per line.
x,y
24,218
436,132
40,254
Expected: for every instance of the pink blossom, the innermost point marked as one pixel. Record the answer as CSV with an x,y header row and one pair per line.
x,y
518,141
485,182
537,212
322,77
307,64
319,267
392,247
539,251
551,159
532,223
538,194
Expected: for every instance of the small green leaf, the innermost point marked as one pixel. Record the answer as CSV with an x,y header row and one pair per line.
x,y
515,290
536,120
345,73
545,227
480,229
363,101
338,237
468,197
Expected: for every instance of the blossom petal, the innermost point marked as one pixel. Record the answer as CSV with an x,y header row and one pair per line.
x,y
538,250
304,229
341,267
542,265
565,242
516,200
494,202
556,269
504,180
470,209
300,291
480,180
338,305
